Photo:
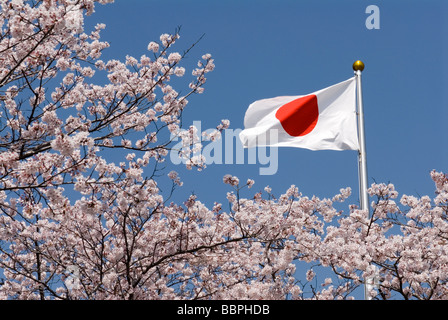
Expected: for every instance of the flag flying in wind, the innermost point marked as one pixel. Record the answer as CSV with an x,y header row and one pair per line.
x,y
322,120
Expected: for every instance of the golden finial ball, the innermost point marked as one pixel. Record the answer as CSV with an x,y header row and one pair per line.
x,y
358,65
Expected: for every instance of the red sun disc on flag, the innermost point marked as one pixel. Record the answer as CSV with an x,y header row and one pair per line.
x,y
299,117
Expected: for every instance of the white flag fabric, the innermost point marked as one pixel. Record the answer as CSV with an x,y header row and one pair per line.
x,y
322,120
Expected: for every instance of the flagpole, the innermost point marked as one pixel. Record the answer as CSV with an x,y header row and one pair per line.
x,y
358,67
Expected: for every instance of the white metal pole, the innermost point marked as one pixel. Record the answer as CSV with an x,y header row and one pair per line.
x,y
362,159
358,67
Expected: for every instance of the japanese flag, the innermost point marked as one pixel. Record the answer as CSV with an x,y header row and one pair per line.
x,y
322,120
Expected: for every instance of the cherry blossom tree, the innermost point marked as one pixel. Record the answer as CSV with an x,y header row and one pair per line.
x,y
405,247
56,124
74,224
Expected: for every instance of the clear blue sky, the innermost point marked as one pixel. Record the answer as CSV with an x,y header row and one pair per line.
x,y
266,48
